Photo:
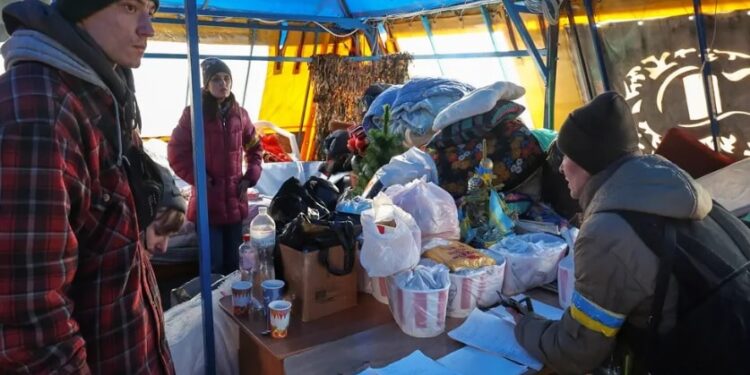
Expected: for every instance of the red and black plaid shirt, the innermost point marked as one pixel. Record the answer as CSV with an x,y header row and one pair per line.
x,y
77,292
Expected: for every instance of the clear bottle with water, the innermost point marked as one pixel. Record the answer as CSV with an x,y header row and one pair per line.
x,y
248,259
263,239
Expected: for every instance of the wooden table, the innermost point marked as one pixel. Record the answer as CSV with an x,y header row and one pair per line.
x,y
342,343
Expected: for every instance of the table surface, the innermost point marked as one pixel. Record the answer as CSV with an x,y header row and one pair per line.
x,y
351,340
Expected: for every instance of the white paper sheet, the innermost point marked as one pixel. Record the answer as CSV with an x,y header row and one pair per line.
x,y
472,361
495,335
540,308
415,363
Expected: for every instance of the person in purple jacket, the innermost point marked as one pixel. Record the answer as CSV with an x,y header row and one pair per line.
x,y
228,135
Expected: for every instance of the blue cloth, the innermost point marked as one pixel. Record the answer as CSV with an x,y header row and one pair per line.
x,y
420,101
374,116
414,105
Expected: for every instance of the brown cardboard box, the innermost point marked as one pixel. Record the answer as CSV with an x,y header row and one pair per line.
x,y
318,292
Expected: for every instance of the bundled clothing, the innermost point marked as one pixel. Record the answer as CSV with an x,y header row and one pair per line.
x,y
415,105
78,291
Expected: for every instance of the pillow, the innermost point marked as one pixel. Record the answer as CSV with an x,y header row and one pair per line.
x,y
477,102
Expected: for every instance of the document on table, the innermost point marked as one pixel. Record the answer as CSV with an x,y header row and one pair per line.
x,y
472,361
490,333
415,363
540,308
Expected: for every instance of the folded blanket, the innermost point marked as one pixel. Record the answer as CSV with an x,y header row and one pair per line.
x,y
477,102
478,126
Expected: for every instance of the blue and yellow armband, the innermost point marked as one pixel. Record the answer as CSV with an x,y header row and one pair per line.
x,y
595,317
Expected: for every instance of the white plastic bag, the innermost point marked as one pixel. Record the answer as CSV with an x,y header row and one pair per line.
x,y
391,239
412,164
183,325
531,260
433,208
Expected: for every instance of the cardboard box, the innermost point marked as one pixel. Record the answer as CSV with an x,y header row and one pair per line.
x,y
319,292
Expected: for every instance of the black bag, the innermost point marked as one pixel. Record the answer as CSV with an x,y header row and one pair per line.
x,y
710,260
316,199
153,186
306,234
305,219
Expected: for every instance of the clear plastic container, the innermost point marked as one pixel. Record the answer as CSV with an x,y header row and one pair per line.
x,y
248,256
263,239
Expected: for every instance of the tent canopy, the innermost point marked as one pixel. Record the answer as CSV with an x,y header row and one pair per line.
x,y
346,13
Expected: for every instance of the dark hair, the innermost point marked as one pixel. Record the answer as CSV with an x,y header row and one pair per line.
x,y
168,221
211,105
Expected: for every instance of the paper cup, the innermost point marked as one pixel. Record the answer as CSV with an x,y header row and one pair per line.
x,y
280,311
271,290
241,297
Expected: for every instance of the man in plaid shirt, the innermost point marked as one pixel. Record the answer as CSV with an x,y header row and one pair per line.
x,y
77,291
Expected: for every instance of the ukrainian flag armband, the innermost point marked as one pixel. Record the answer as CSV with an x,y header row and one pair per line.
x,y
595,317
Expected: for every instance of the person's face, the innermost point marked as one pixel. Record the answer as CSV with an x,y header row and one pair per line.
x,y
220,86
156,243
576,176
122,30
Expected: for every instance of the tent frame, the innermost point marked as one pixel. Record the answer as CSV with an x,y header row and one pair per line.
x,y
192,23
547,70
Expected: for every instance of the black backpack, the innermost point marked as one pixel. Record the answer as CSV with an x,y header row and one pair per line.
x,y
710,260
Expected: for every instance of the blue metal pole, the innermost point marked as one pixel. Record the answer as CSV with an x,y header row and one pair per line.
x,y
199,164
346,23
553,32
428,30
243,25
706,72
512,10
488,23
597,43
466,55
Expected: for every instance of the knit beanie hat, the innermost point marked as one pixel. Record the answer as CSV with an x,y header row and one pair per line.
x,y
335,143
76,10
599,133
211,66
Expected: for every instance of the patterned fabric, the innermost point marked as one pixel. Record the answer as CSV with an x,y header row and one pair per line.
x,y
511,146
227,140
477,127
77,292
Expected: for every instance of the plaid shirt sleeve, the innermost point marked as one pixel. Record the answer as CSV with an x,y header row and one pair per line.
x,y
42,179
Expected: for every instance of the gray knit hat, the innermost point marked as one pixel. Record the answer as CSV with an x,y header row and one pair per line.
x,y
211,66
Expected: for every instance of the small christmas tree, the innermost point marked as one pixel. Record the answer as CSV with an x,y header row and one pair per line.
x,y
381,147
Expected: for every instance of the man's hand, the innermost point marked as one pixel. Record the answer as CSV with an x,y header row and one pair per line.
x,y
242,188
514,313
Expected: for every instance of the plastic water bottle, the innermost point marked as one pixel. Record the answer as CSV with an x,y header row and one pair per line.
x,y
263,239
248,259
